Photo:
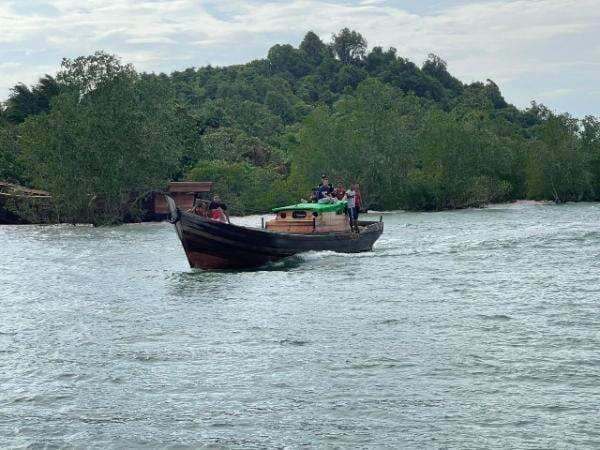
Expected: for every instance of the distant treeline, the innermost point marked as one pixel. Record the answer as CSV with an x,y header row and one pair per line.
x,y
99,133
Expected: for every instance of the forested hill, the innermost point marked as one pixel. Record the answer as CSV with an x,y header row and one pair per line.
x,y
414,136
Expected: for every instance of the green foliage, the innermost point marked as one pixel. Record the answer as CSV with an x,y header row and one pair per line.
x,y
403,153
285,58
92,152
247,189
590,143
349,46
559,166
86,73
437,68
11,168
414,137
462,165
280,106
313,48
24,102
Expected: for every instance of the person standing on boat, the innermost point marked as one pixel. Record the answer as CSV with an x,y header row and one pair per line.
x,y
350,198
218,210
339,192
325,189
359,200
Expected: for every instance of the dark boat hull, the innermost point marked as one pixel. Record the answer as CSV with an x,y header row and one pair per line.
x,y
211,245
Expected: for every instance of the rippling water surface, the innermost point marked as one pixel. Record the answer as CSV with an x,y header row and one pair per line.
x,y
476,328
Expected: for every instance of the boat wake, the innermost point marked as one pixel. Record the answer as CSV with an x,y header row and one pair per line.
x,y
317,256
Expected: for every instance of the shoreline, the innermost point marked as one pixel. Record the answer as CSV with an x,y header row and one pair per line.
x,y
491,206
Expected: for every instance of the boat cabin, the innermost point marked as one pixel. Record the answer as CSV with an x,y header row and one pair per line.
x,y
306,218
184,193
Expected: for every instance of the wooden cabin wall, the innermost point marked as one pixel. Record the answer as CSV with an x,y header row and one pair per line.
x,y
327,222
332,222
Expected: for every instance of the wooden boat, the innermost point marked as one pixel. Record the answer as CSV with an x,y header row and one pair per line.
x,y
211,244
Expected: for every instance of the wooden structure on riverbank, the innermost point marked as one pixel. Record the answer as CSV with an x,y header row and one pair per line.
x,y
22,205
184,193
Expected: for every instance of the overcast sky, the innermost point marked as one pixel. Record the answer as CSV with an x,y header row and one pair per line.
x,y
543,50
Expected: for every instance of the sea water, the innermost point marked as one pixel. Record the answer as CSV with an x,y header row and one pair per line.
x,y
462,329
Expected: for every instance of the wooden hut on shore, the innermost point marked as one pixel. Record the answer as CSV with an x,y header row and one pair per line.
x,y
22,205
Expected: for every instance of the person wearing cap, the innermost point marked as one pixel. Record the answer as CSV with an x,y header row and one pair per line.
x,y
325,189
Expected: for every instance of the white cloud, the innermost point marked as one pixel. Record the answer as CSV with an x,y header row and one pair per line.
x,y
518,43
560,92
12,73
150,40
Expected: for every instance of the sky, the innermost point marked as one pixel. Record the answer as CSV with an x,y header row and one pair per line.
x,y
542,50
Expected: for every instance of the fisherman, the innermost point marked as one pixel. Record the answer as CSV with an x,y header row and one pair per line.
x,y
339,192
218,210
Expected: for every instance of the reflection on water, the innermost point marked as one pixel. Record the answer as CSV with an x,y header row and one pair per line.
x,y
474,328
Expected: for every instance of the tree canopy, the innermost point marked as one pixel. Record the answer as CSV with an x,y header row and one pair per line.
x,y
414,136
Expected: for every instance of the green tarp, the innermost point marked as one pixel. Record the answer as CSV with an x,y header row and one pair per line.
x,y
316,207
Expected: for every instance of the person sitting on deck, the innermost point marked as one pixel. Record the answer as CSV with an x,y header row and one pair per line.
x,y
324,191
339,192
199,208
218,210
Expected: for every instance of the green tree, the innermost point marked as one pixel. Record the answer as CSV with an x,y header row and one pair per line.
x,y
378,60
405,75
285,58
369,137
280,106
86,73
462,164
590,142
349,46
92,152
415,137
11,168
24,102
558,168
220,145
313,48
246,189
437,68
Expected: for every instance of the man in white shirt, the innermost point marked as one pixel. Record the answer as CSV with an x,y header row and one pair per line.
x,y
350,198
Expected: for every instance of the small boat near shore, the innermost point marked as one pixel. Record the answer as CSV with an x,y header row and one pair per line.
x,y
213,245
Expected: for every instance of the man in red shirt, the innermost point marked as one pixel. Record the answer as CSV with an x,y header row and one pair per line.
x,y
358,198
218,210
339,192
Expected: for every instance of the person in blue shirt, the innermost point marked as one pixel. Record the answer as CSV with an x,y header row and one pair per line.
x,y
325,189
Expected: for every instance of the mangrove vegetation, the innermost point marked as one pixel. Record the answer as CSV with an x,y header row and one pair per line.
x,y
99,134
